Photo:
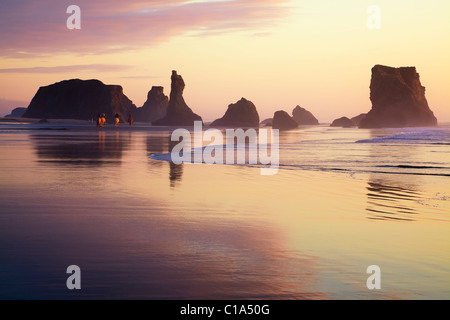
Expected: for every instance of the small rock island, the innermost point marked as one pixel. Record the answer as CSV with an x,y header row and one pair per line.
x,y
242,114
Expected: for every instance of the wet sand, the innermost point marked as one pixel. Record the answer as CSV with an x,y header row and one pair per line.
x,y
146,229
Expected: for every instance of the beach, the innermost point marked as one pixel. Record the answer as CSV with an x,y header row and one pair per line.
x,y
140,228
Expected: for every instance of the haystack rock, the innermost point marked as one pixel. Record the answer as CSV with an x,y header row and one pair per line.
x,y
241,114
79,99
178,112
154,108
283,121
398,99
343,122
304,117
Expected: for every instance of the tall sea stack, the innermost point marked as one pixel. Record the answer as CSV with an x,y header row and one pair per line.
x,y
178,112
398,99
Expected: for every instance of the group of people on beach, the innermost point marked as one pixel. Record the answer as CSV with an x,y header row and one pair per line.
x,y
101,120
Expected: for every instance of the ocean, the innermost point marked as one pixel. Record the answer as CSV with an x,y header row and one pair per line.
x,y
141,227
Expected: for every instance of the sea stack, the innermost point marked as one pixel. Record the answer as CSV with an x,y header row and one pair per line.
x,y
16,113
283,121
266,122
398,99
343,122
155,107
79,99
304,117
357,120
178,112
242,114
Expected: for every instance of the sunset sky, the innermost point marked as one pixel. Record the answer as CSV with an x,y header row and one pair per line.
x,y
314,53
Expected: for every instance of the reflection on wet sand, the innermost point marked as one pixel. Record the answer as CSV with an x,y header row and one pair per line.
x,y
176,172
388,197
163,144
213,260
391,201
80,149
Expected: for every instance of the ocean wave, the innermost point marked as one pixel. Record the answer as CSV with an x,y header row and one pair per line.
x,y
414,135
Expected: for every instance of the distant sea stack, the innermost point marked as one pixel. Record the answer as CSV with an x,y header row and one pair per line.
x,y
343,122
79,99
266,122
304,117
398,99
178,112
242,114
283,121
357,120
16,113
154,108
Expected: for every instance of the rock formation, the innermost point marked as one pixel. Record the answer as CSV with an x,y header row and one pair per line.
x,y
154,108
356,120
342,122
266,122
304,117
241,114
283,121
398,99
178,112
79,99
16,113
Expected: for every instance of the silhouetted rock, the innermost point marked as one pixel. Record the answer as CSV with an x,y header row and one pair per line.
x,y
283,121
154,108
178,112
241,114
356,120
16,113
342,122
303,116
266,122
398,99
79,99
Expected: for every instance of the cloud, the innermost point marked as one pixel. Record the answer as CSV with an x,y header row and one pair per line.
x,y
31,28
71,68
142,77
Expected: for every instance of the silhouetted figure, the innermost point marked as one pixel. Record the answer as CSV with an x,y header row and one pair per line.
x,y
117,120
130,119
102,120
99,120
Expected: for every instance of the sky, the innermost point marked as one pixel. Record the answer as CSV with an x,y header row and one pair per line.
x,y
276,53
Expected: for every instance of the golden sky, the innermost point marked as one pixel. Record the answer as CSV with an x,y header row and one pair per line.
x,y
277,53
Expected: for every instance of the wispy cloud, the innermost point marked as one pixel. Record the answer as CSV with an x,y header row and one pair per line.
x,y
29,28
142,77
71,68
